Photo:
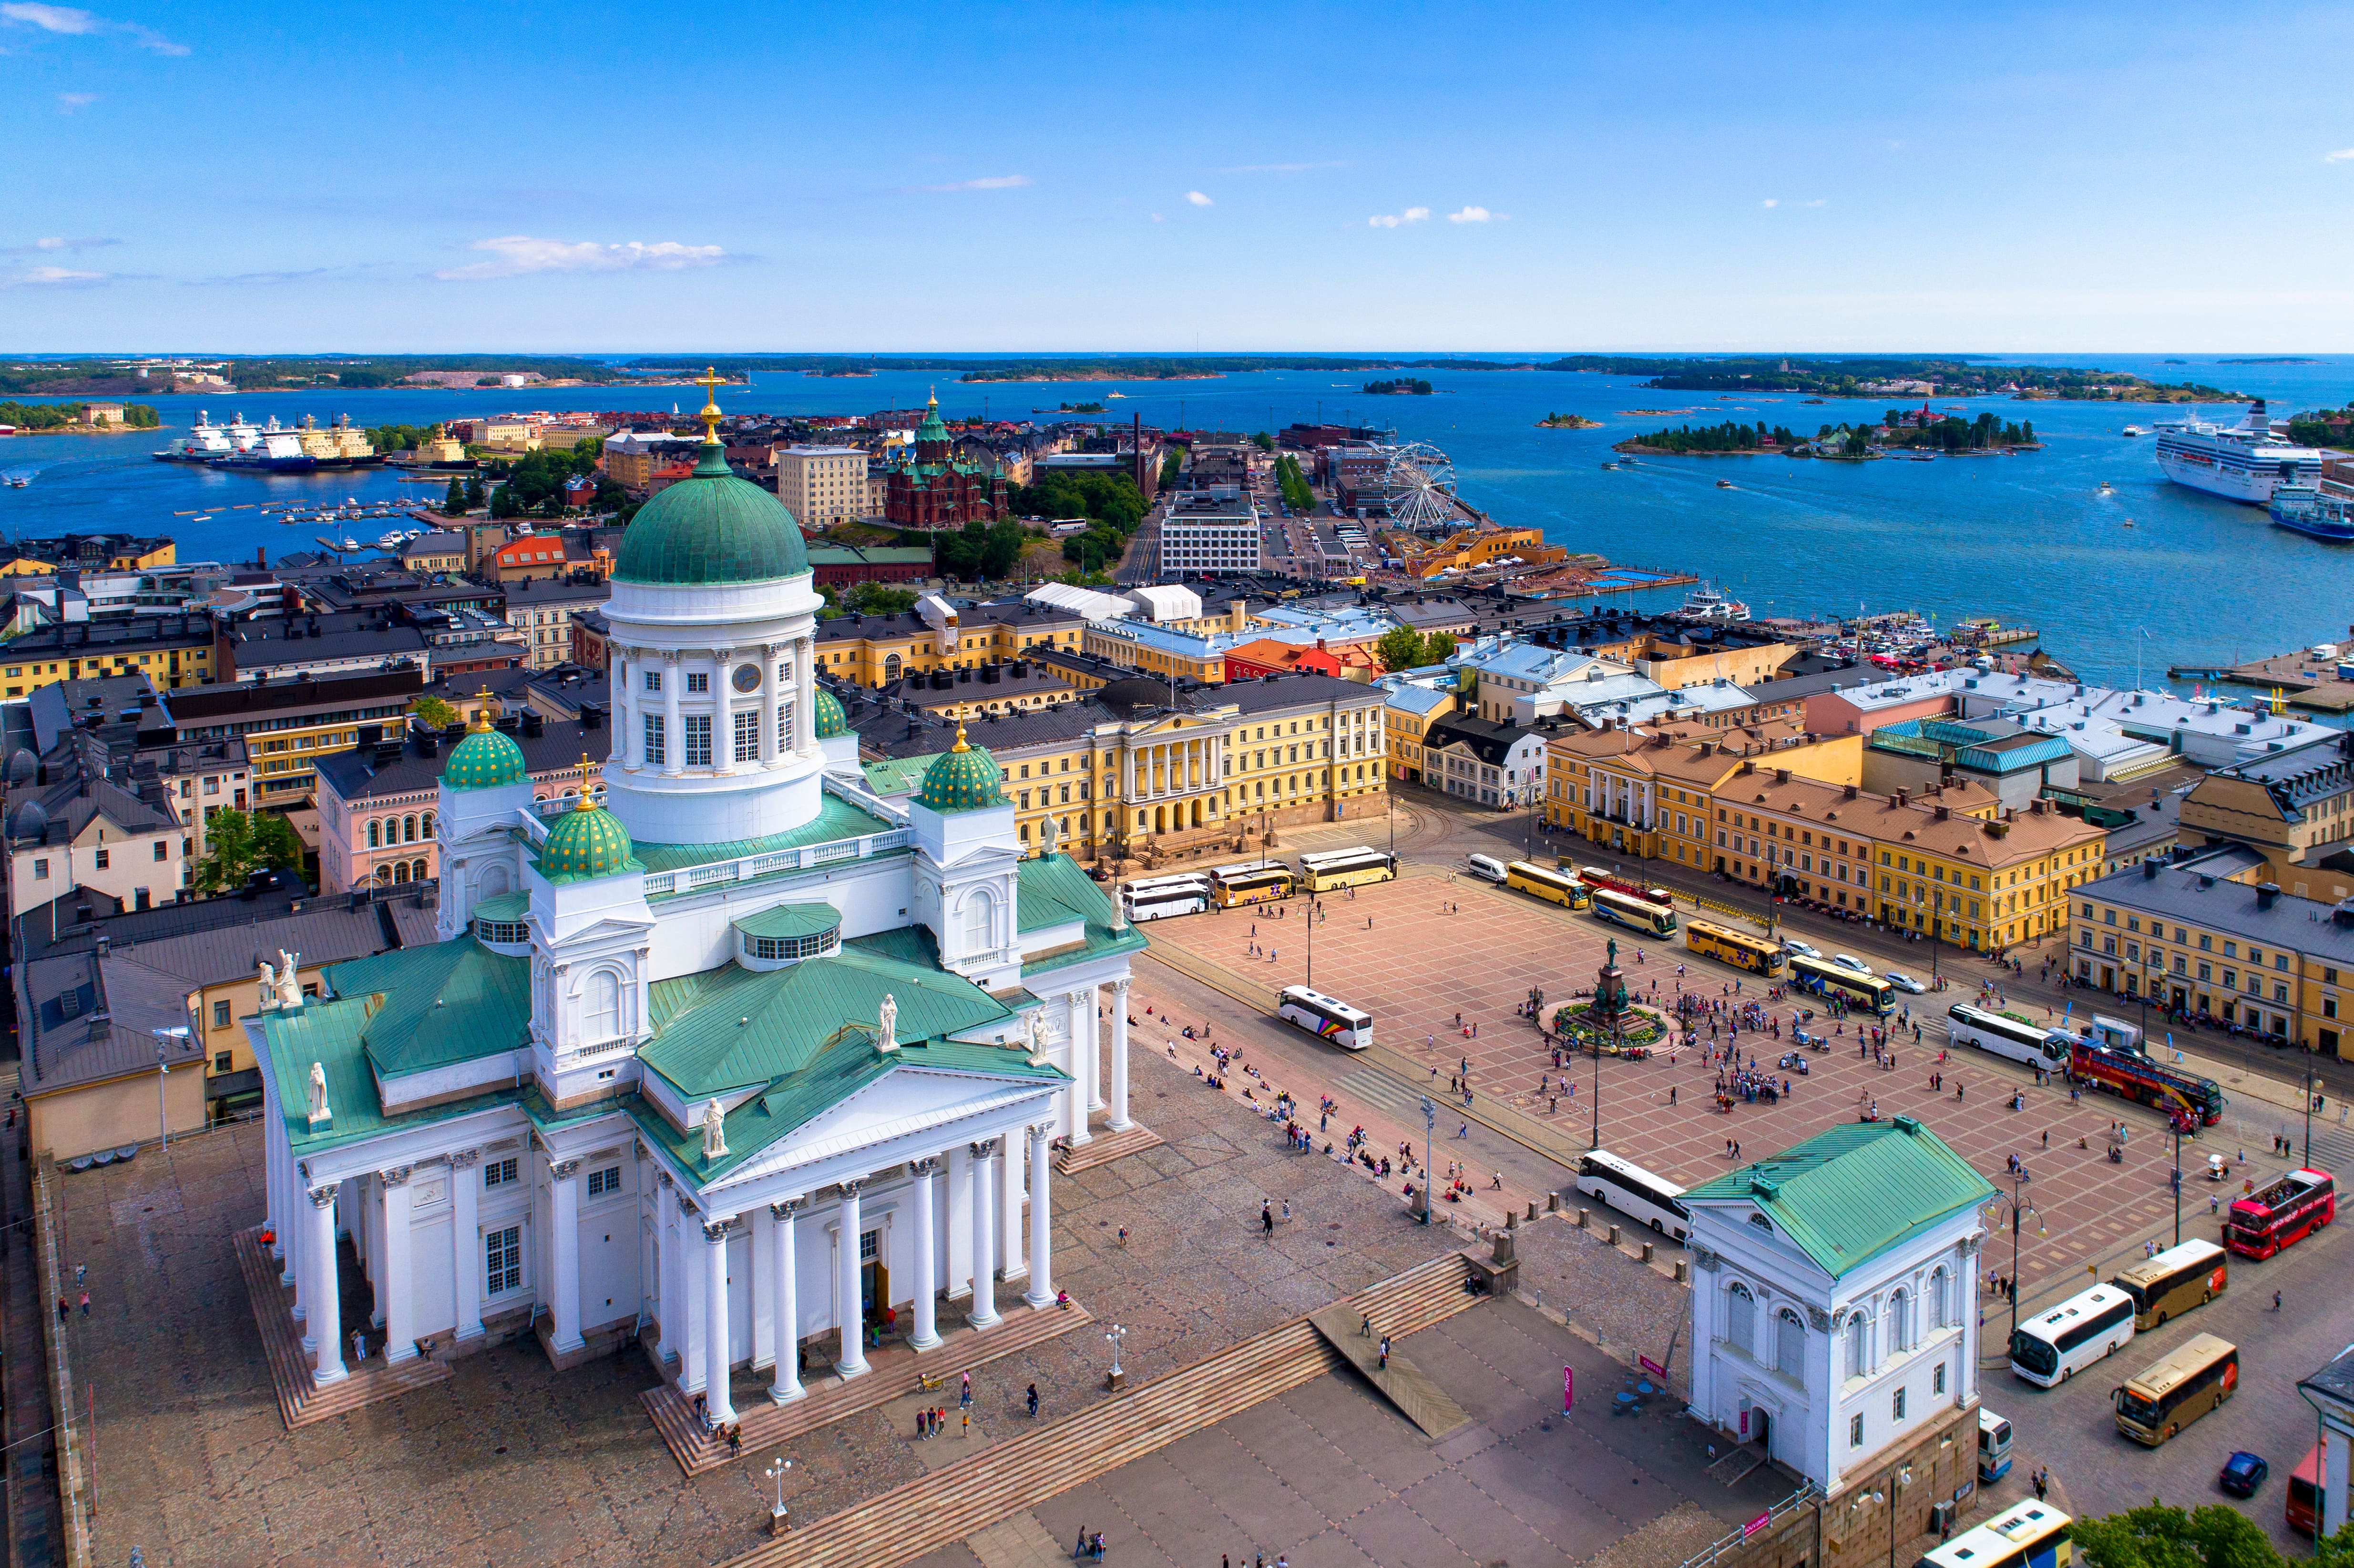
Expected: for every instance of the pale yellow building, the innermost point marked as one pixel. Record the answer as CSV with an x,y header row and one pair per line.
x,y
823,485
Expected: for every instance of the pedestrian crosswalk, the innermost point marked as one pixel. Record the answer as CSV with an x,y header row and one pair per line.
x,y
2333,1150
1379,1089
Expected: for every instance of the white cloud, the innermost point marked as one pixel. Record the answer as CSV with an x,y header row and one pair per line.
x,y
1399,219
49,243
1198,199
2343,155
40,277
1470,215
1278,168
1771,201
1158,218
73,22
73,101
1777,201
515,255
986,182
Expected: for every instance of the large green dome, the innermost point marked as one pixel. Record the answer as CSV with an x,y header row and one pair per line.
x,y
831,720
711,527
485,759
962,778
589,842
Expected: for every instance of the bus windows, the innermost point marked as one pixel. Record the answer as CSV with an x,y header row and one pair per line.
x,y
1251,882
1740,949
1544,882
2002,1034
2174,1281
1346,868
1158,897
1634,1192
1826,979
1327,1018
1636,914
2053,1346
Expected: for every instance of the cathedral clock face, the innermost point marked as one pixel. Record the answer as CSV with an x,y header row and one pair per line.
x,y
746,678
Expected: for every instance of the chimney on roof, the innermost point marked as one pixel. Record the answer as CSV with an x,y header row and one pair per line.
x,y
2266,893
2149,871
1781,776
1902,796
1849,791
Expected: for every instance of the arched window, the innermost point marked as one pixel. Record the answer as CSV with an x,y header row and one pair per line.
x,y
409,829
375,838
1857,1331
1790,1345
891,668
1899,1322
384,875
603,1019
1741,1318
416,872
1940,1309
400,871
979,923
427,824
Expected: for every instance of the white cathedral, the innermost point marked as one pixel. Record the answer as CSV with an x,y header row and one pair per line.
x,y
743,1058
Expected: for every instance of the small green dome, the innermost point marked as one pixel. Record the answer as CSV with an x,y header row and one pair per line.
x,y
589,843
831,720
962,778
485,759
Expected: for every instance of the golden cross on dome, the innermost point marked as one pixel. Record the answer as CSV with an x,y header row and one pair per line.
x,y
710,381
585,804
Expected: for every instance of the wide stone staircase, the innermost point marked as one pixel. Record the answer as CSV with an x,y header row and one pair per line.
x,y
934,1510
1105,1147
301,1399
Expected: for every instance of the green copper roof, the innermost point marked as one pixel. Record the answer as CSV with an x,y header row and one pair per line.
x,y
1849,1194
504,906
792,921
731,1028
711,527
964,778
1054,891
433,1006
484,760
831,720
587,843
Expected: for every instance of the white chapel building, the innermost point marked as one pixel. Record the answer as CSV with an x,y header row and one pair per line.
x,y
736,1059
1835,1306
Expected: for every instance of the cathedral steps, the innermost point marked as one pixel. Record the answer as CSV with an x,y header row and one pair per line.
x,y
1105,1148
301,1401
895,1374
952,1503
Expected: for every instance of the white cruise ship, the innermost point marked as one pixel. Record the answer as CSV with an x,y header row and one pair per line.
x,y
2246,461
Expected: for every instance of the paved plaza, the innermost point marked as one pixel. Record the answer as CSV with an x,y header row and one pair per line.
x,y
1330,1475
510,1461
1438,946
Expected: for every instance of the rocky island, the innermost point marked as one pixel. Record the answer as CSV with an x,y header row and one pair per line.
x,y
1568,422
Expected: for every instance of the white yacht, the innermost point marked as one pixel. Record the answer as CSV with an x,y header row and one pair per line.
x,y
2246,461
1704,603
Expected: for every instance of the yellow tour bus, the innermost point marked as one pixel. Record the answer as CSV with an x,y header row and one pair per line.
x,y
1250,882
1740,949
1544,882
2175,1281
2177,1389
1329,869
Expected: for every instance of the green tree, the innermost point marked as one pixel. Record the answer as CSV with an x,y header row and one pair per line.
x,y
433,711
453,500
475,494
1399,649
1170,466
878,599
2212,1536
1437,648
1264,442
505,504
241,844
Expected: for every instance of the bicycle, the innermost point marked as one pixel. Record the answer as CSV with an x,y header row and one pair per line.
x,y
933,1384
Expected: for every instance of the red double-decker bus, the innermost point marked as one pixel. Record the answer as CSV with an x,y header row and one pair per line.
x,y
2180,1096
2281,1215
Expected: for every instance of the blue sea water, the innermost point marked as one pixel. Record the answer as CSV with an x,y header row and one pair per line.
x,y
2195,580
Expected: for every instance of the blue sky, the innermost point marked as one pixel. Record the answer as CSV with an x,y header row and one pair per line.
x,y
279,177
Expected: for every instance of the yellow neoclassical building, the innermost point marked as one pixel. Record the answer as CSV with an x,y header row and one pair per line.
x,y
874,650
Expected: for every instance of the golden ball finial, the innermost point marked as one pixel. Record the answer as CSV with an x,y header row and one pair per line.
x,y
584,803
961,745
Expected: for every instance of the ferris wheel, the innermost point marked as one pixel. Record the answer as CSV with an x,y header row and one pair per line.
x,y
1420,485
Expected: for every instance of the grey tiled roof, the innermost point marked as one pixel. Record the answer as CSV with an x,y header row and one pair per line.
x,y
2196,891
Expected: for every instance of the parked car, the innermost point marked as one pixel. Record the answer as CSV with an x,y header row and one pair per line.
x,y
1904,982
1804,949
2243,1474
1848,961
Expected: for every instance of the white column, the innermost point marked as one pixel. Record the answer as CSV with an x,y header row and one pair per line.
x,y
1119,1121
769,692
715,1326
399,1292
984,1289
565,1204
466,1241
617,692
785,1385
693,1343
957,1224
805,702
723,711
851,1362
281,1207
630,705
326,1317
674,732
1042,1221
298,1250
1011,1264
1091,1052
928,1285
1079,1008
668,1298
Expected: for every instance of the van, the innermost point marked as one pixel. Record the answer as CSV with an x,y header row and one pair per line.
x,y
1486,868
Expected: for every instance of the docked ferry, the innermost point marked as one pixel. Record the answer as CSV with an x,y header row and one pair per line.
x,y
2246,462
204,442
2306,509
272,449
1705,604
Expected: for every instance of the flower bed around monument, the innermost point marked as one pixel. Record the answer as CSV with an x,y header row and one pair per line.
x,y
1639,1029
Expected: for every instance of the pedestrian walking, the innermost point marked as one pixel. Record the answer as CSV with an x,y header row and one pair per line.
x,y
964,1393
1286,1210
1032,1399
1081,1549
2276,1301
64,1311
1384,1364
81,1274
1267,1222
85,1303
1464,1130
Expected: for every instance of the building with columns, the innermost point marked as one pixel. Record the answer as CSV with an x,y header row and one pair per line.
x,y
730,1056
1835,1306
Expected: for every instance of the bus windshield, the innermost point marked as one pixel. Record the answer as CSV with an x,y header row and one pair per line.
x,y
2037,1355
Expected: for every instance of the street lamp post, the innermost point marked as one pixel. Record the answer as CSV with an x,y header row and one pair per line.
x,y
1115,1335
776,1471
2307,1053
165,1037
1597,1088
1429,1126
2018,1206
2178,1179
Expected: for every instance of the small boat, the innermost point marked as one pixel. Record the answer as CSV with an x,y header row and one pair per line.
x,y
1609,467
1725,484
2107,489
2135,431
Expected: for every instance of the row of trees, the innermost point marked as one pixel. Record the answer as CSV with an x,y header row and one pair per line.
x,y
401,438
1111,502
1294,484
1407,649
58,416
1728,437
2212,1536
1405,386
1956,434
980,550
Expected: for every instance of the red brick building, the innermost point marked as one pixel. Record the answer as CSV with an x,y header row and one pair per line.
x,y
928,486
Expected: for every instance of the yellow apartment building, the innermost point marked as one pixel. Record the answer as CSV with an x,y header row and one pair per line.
x,y
876,650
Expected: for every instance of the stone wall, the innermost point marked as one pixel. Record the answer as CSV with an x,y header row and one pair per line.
x,y
1897,1489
